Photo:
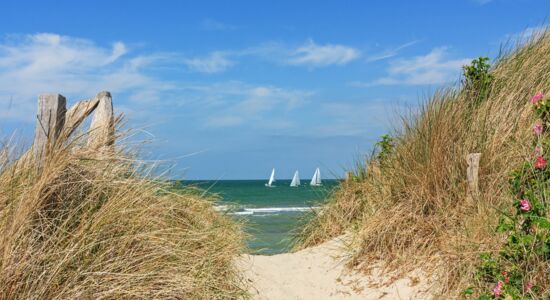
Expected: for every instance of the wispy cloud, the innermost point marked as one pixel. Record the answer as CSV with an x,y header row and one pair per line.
x,y
314,55
433,68
353,118
45,62
308,54
526,35
216,62
237,103
390,52
34,64
209,24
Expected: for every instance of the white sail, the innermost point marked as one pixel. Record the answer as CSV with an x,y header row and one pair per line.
x,y
271,178
295,179
316,179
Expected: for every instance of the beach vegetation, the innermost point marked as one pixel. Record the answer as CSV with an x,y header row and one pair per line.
x,y
477,79
416,211
517,269
385,148
88,225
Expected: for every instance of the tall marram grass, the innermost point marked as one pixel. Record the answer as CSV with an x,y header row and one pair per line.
x,y
414,210
86,227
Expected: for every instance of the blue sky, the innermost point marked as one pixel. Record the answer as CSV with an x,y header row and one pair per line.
x,y
230,89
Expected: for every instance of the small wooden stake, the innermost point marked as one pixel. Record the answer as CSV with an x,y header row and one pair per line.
x,y
472,173
349,176
49,123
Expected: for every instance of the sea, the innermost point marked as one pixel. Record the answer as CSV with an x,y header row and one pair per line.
x,y
271,215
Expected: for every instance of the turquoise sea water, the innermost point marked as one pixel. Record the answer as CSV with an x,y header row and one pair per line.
x,y
271,214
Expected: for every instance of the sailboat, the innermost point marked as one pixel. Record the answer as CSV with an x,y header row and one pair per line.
x,y
271,179
316,180
295,180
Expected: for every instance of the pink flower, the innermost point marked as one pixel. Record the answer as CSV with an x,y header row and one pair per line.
x,y
538,96
528,286
524,205
540,162
537,128
538,150
505,274
498,289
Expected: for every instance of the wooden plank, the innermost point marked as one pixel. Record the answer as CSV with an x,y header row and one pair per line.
x,y
77,114
472,173
102,129
49,123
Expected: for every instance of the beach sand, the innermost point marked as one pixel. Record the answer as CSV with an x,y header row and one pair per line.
x,y
319,273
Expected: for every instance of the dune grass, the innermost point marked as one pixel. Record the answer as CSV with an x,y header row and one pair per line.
x,y
91,226
413,210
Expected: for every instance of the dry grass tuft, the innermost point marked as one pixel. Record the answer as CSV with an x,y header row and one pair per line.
x,y
96,228
414,211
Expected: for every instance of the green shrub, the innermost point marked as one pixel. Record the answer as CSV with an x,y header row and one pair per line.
x,y
477,79
385,148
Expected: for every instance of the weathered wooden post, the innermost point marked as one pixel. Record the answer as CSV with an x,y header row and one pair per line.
x,y
102,129
49,123
77,114
472,173
349,176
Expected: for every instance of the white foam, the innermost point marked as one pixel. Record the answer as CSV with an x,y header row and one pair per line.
x,y
221,207
277,209
241,213
270,210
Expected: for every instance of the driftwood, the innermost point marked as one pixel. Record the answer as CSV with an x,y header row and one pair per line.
x,y
77,114
349,176
50,122
55,124
472,173
102,129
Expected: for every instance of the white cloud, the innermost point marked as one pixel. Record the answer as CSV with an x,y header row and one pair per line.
x,y
216,62
432,68
352,118
43,63
309,54
45,52
78,68
314,55
389,53
236,103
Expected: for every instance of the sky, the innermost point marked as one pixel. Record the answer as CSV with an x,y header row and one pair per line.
x,y
231,89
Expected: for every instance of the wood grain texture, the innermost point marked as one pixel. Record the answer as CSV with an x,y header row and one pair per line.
x,y
49,124
102,129
472,173
77,114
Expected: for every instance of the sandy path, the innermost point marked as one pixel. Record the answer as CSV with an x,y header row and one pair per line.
x,y
316,273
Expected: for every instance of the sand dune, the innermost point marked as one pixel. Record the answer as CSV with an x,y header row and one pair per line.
x,y
318,273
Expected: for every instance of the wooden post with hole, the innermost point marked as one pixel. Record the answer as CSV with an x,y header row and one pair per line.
x,y
472,173
102,129
49,123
